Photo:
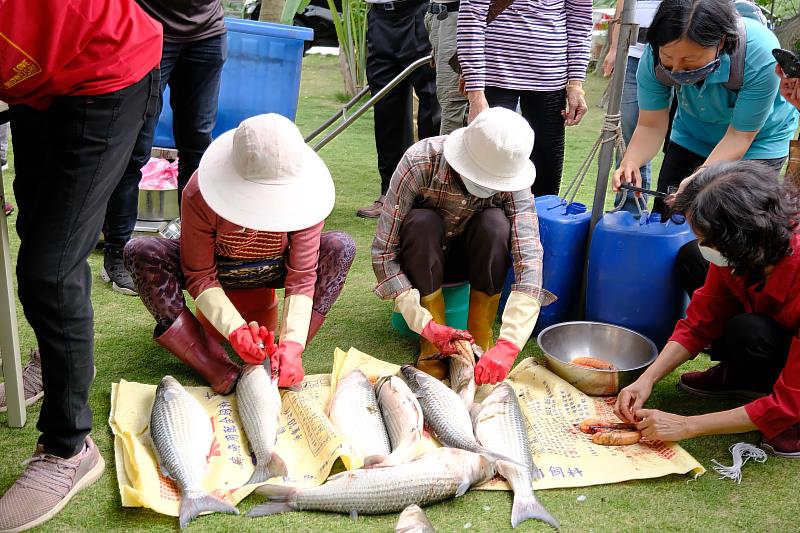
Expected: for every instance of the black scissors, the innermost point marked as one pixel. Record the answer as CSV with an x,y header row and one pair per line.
x,y
657,194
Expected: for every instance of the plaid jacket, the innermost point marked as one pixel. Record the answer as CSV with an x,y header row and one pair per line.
x,y
423,179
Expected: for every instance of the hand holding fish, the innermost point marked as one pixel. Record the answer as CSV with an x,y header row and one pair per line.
x,y
287,361
444,337
245,340
494,365
631,399
658,425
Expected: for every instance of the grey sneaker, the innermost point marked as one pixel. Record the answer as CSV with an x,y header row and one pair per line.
x,y
46,485
31,382
115,273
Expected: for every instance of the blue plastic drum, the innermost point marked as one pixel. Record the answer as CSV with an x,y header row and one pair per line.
x,y
632,279
261,75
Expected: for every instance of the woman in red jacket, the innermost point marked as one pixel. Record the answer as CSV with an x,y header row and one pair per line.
x,y
748,311
251,217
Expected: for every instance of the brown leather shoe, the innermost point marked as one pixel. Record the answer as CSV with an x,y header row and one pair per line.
x,y
372,211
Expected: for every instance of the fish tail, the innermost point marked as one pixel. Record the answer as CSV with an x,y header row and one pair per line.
x,y
195,504
268,470
277,493
528,507
495,457
269,508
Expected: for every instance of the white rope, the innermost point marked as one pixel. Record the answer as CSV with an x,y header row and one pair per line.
x,y
741,452
611,124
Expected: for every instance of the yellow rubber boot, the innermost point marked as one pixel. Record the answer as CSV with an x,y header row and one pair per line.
x,y
482,312
437,368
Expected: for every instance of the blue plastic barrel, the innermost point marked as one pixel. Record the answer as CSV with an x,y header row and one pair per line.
x,y
261,75
456,309
563,230
632,279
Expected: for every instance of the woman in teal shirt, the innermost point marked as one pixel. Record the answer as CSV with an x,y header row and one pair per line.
x,y
694,52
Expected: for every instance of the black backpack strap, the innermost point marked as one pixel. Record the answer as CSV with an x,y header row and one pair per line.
x,y
736,78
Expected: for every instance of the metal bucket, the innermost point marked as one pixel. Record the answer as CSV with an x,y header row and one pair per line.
x,y
158,205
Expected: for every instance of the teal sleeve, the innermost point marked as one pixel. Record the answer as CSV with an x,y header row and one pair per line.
x,y
759,90
653,95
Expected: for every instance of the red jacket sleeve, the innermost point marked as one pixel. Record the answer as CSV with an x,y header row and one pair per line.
x,y
301,266
781,409
712,306
198,231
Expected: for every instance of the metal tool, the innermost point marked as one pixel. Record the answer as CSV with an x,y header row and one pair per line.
x,y
629,187
615,426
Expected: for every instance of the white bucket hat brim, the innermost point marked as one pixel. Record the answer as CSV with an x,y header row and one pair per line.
x,y
461,160
301,203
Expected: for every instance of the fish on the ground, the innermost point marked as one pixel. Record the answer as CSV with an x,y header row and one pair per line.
x,y
182,436
413,520
444,412
402,416
259,405
438,475
354,411
500,426
462,373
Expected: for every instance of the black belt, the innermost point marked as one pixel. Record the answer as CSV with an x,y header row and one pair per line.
x,y
439,8
397,6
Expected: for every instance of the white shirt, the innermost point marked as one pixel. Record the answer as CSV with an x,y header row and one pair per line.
x,y
643,16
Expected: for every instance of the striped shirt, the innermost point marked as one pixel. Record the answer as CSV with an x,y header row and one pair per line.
x,y
423,179
534,45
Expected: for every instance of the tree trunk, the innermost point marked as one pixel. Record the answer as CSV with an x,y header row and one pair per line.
x,y
788,33
349,87
271,10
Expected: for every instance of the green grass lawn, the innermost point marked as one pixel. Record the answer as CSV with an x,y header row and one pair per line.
x,y
764,501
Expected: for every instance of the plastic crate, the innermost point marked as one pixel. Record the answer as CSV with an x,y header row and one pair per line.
x,y
261,75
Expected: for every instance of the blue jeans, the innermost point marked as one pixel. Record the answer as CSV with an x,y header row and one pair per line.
x,y
629,109
193,72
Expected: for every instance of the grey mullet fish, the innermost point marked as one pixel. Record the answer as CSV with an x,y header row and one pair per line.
x,y
436,476
182,436
354,411
413,520
259,405
500,426
445,413
462,376
402,416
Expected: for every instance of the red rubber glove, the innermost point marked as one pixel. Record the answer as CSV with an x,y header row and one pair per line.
x,y
494,365
287,362
443,336
245,340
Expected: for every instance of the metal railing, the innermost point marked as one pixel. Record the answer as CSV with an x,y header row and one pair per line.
x,y
348,120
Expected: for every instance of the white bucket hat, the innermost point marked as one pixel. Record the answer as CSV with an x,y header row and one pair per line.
x,y
263,176
493,151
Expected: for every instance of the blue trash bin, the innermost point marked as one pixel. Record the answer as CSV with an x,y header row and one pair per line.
x,y
261,75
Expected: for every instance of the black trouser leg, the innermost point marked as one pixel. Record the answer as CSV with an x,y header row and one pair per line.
x,y
692,267
421,255
69,158
678,164
542,110
395,39
486,246
756,348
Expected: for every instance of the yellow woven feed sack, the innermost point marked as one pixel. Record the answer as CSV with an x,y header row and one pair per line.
x,y
310,444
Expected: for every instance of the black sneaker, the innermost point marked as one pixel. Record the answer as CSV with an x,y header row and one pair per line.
x,y
114,272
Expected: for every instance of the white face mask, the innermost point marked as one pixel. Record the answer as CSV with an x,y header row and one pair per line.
x,y
713,256
477,190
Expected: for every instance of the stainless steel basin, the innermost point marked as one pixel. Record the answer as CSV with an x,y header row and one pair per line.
x,y
630,352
